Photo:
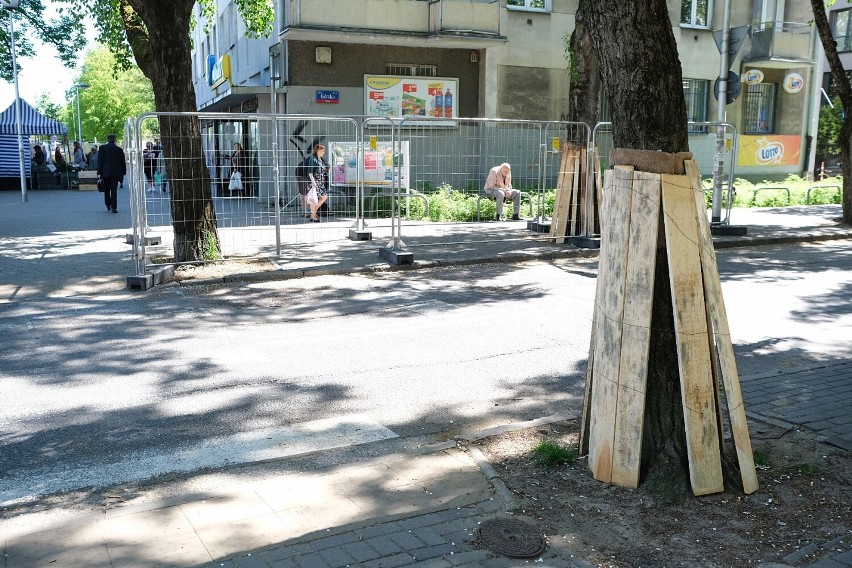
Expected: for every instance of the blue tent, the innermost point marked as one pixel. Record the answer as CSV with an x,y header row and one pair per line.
x,y
32,123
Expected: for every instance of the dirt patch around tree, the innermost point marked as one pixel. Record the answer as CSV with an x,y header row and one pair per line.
x,y
801,512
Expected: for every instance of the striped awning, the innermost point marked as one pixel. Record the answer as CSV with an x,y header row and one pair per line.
x,y
32,121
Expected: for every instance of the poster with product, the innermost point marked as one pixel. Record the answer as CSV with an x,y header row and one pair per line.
x,y
381,166
399,97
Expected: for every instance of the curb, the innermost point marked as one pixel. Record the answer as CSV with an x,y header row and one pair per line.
x,y
508,258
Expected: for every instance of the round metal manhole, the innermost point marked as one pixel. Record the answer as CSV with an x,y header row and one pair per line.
x,y
512,538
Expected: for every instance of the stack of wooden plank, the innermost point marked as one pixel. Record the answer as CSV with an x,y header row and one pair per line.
x,y
614,407
570,215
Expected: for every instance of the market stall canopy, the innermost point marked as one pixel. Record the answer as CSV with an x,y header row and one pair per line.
x,y
32,122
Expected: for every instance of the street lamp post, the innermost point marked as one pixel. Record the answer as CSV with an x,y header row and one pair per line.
x,y
10,5
78,87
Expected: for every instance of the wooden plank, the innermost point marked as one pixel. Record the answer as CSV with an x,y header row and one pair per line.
x,y
636,329
559,223
575,193
609,308
598,186
722,337
560,190
691,335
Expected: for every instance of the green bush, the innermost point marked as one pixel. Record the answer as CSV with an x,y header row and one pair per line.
x,y
547,454
746,193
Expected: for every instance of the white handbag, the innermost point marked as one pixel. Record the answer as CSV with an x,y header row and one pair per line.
x,y
236,182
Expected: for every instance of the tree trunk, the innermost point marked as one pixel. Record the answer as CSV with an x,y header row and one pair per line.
x,y
641,72
844,90
641,75
585,75
167,62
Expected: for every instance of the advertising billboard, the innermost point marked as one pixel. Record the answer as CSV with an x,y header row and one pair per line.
x,y
398,97
770,150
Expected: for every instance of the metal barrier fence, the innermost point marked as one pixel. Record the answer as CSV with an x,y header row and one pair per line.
x,y
702,144
385,176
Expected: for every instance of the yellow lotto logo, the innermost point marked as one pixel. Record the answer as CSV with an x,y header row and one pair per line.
x,y
380,83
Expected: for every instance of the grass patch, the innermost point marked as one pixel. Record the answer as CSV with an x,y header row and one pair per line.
x,y
761,459
547,454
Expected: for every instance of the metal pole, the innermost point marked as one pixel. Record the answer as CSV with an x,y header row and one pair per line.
x,y
722,102
18,119
79,123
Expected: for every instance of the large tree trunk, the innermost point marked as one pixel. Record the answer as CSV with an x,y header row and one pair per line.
x,y
641,75
585,76
844,90
164,55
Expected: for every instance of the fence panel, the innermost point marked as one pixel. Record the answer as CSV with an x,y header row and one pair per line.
x,y
702,144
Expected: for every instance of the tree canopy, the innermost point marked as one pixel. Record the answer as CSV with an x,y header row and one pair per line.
x,y
65,33
115,93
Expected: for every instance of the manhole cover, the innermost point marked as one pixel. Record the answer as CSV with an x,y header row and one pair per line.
x,y
512,538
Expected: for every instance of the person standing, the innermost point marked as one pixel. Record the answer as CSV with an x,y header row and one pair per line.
x,y
79,157
149,164
112,167
239,164
317,171
499,186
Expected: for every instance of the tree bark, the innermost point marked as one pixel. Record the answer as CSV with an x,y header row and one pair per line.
x,y
641,72
166,59
585,75
844,91
641,75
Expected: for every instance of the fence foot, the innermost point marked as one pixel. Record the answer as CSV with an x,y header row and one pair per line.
x,y
128,237
152,278
537,226
729,230
140,282
585,242
360,235
396,256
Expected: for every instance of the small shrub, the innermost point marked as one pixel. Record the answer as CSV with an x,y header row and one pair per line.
x,y
547,454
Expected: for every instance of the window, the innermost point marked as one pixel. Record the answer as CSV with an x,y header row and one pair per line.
x,y
695,94
759,113
841,29
537,5
411,70
696,13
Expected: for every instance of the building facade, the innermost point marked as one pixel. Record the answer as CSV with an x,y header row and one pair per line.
x,y
503,59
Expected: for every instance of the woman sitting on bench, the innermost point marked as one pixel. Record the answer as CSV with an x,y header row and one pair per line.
x,y
499,186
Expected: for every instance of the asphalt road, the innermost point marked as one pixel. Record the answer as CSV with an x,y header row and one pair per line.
x,y
96,393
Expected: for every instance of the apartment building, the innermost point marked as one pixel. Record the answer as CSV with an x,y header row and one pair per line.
x,y
502,59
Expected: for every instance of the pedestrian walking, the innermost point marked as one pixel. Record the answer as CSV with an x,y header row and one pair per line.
x,y
112,166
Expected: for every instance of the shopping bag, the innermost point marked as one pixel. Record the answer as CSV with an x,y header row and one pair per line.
x,y
236,182
101,185
312,197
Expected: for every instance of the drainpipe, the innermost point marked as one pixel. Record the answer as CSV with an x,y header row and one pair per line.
x,y
816,99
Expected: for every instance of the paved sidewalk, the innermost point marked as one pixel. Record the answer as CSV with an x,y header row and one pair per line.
x,y
405,508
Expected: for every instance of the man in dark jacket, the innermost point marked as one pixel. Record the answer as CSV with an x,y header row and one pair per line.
x,y
112,167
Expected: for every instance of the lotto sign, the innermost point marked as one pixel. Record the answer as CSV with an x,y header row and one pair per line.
x,y
770,151
793,83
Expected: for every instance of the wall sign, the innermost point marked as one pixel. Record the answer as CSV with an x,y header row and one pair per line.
x,y
220,71
399,97
752,77
328,97
793,83
770,150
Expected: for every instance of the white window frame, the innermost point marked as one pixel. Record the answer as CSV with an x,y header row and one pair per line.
x,y
528,7
696,107
693,14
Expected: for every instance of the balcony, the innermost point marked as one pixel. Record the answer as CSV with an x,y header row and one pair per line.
x,y
780,44
434,23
